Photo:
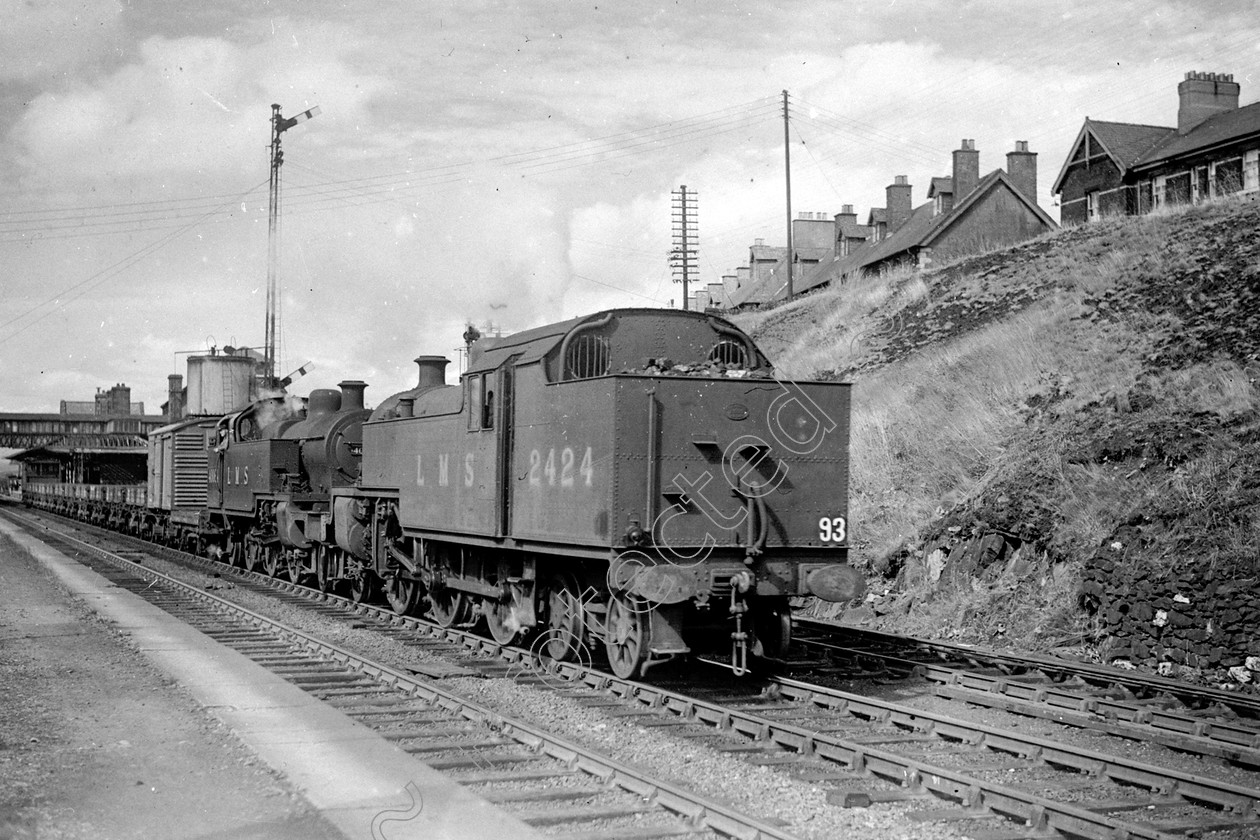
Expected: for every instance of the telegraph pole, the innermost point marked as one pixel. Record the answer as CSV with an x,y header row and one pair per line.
x,y
787,170
279,125
686,238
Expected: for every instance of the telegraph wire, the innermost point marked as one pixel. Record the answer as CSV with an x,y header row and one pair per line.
x,y
77,290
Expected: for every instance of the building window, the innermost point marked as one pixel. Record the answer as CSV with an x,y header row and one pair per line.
x,y
1200,186
1177,189
1091,204
1227,177
1251,170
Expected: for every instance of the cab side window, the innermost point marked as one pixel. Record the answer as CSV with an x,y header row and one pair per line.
x,y
480,403
476,401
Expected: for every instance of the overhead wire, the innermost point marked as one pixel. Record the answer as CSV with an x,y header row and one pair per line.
x,y
82,287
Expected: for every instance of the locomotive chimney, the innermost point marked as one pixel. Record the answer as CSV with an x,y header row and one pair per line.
x,y
406,406
323,401
432,371
352,394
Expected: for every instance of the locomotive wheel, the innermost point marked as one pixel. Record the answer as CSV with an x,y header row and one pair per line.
x,y
325,571
236,554
402,593
627,634
565,624
271,561
449,607
362,586
773,627
499,620
255,555
292,567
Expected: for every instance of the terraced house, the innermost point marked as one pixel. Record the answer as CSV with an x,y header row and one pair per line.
x,y
1119,168
965,214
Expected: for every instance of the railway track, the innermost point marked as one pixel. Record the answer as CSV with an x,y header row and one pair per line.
x,y
997,782
567,790
939,661
1146,708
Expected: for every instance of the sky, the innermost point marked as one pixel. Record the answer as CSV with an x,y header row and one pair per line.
x,y
497,163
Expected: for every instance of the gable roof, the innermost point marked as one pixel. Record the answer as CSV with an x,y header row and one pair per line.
x,y
1124,143
941,185
925,225
1132,146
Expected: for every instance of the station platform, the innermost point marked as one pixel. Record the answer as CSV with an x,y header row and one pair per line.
x,y
178,736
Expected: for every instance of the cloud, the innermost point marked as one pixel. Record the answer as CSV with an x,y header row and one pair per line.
x,y
41,38
191,106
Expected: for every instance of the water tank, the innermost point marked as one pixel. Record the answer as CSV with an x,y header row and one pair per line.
x,y
220,384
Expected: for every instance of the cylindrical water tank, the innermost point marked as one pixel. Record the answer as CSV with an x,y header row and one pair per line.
x,y
219,384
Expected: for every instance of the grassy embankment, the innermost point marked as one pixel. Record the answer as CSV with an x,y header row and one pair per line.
x,y
1051,396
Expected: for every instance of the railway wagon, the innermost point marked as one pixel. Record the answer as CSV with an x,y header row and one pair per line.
x,y
115,506
634,478
177,482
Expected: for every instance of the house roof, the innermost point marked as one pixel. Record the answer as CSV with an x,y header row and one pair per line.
x,y
850,229
773,284
877,215
1124,143
767,252
1134,146
1127,143
1219,128
941,185
925,225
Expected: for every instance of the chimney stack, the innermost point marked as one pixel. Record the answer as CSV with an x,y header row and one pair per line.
x,y
432,371
1021,167
966,170
899,204
1203,95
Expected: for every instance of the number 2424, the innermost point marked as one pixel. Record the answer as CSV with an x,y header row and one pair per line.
x,y
545,468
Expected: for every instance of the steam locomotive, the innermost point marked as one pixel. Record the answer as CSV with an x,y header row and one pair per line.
x,y
634,480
